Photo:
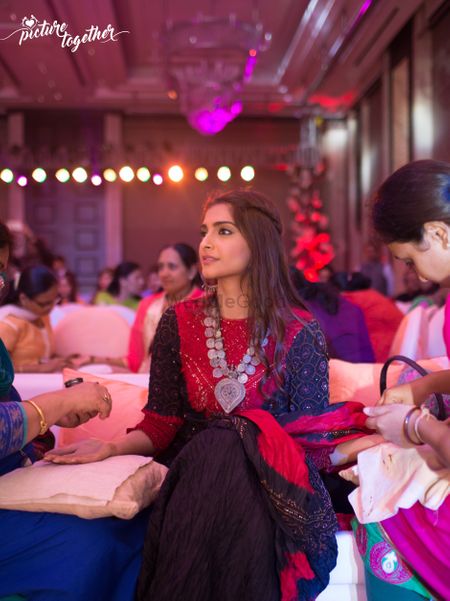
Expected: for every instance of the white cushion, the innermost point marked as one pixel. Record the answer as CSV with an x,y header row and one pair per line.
x,y
97,331
118,486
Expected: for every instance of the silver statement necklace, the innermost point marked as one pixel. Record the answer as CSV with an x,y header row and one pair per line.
x,y
230,390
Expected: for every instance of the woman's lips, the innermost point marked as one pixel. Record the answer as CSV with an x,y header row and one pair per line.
x,y
208,260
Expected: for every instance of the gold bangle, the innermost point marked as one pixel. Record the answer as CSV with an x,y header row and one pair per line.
x,y
42,421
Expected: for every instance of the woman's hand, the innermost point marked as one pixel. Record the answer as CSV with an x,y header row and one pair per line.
x,y
52,365
72,419
85,451
87,398
398,395
77,361
388,421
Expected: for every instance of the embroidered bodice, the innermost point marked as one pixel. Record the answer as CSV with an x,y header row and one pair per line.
x,y
181,391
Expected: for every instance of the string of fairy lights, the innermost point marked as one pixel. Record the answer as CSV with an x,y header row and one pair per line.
x,y
126,174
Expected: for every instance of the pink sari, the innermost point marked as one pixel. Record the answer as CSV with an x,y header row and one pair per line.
x,y
422,537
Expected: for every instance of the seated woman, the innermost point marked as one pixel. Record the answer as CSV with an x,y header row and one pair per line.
x,y
104,279
238,407
25,326
411,213
178,274
125,287
46,556
68,288
342,322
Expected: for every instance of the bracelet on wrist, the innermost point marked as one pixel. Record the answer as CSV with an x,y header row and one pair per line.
x,y
424,413
406,427
42,421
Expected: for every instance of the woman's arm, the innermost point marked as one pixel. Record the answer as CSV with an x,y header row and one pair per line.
x,y
22,422
87,451
416,392
389,421
136,351
42,367
163,414
437,435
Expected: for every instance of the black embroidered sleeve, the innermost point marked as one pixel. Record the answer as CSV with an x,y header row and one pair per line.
x,y
167,388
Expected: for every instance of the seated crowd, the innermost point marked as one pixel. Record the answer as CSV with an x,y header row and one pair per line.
x,y
239,411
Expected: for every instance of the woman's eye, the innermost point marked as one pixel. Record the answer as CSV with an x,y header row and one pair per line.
x,y
202,234
225,231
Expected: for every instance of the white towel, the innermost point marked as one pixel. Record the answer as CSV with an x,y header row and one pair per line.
x,y
391,478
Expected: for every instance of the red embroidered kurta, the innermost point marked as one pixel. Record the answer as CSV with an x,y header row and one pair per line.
x,y
181,392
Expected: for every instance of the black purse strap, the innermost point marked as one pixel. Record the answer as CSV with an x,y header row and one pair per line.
x,y
423,372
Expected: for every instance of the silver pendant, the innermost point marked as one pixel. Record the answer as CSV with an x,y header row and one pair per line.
x,y
243,378
229,393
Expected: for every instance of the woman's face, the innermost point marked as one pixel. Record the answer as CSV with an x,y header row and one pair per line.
x,y
224,251
175,277
430,258
134,282
64,288
153,282
42,303
104,280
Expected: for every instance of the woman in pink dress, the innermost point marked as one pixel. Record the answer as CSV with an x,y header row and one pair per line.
x,y
178,274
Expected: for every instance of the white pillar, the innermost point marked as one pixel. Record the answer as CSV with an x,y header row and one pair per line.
x,y
335,146
422,97
354,224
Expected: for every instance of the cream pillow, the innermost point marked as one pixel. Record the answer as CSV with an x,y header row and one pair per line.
x,y
118,486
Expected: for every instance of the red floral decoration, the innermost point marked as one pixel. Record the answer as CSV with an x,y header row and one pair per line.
x,y
312,248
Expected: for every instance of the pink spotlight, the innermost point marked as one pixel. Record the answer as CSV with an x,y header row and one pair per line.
x,y
22,181
157,179
96,180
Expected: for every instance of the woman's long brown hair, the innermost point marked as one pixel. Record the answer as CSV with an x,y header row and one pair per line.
x,y
272,295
